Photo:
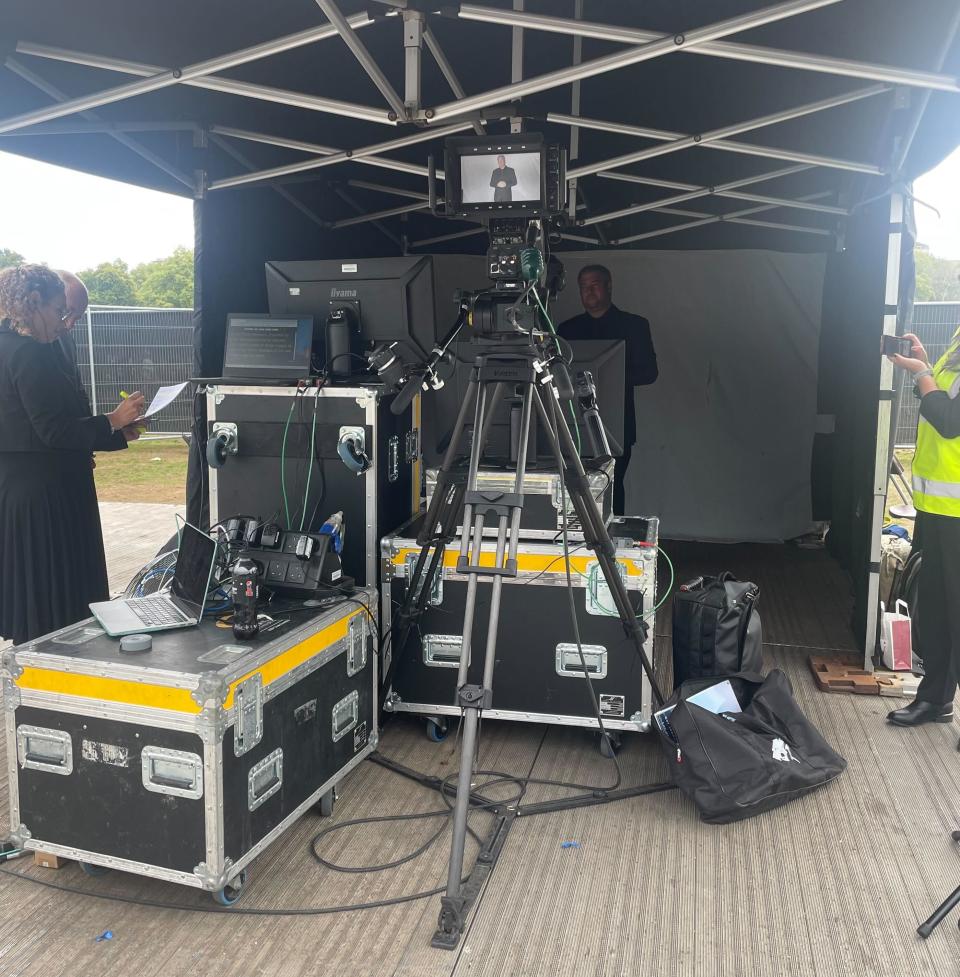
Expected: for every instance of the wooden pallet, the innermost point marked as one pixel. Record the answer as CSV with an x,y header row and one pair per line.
x,y
903,684
843,675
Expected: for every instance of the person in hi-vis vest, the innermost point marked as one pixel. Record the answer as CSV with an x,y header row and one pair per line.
x,y
936,495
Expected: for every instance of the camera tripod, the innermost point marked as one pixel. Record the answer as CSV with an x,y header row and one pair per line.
x,y
501,366
940,913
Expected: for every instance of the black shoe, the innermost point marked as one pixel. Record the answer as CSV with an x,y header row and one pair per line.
x,y
919,712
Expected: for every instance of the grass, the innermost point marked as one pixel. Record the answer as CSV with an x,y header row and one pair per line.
x,y
148,471
156,471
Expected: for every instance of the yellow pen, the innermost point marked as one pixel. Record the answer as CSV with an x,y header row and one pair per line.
x,y
140,428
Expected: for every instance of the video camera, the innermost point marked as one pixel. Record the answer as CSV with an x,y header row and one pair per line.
x,y
516,186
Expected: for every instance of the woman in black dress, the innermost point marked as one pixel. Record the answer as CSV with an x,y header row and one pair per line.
x,y
51,547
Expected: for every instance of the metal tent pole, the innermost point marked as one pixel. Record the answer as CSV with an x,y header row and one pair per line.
x,y
86,128
728,145
413,38
621,59
903,149
701,139
574,151
735,217
383,188
243,160
132,144
341,157
308,147
361,53
379,225
717,49
447,237
724,189
93,369
446,69
215,83
377,215
732,194
172,76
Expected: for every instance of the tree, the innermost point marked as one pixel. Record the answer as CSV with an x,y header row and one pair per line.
x,y
110,284
166,282
938,279
9,258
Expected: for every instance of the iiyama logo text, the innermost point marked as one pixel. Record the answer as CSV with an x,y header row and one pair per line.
x,y
343,293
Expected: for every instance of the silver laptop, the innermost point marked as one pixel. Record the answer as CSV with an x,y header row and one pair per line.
x,y
180,607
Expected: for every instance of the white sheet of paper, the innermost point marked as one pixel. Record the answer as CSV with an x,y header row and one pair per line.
x,y
164,397
717,698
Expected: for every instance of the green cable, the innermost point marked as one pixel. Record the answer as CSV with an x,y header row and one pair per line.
x,y
283,463
573,413
313,433
657,606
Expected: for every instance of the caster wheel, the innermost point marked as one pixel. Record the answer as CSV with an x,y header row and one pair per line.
x,y
88,868
955,835
324,807
231,892
436,731
609,745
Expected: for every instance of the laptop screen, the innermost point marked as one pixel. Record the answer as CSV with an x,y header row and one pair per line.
x,y
269,347
194,563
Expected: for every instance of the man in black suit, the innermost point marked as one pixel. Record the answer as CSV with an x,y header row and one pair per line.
x,y
601,319
503,180
77,299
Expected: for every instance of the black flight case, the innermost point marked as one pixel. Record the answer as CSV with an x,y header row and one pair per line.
x,y
184,762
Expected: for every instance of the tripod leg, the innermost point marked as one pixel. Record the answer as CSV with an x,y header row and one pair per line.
x,y
595,532
441,515
937,916
472,699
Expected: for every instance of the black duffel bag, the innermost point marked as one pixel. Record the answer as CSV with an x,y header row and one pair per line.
x,y
716,628
735,765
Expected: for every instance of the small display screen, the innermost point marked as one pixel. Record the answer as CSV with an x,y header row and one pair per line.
x,y
266,344
500,178
194,560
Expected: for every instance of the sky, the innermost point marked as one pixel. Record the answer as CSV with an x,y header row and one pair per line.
x,y
96,220
941,189
71,220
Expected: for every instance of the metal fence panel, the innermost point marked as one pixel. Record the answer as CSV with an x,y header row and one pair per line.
x,y
137,349
935,324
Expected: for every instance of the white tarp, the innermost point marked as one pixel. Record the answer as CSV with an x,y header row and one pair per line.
x,y
725,435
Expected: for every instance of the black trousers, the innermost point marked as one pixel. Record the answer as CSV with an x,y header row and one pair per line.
x,y
619,471
938,597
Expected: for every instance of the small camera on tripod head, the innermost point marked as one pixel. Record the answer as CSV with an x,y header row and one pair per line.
x,y
516,186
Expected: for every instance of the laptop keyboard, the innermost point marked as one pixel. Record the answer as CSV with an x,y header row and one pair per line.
x,y
156,611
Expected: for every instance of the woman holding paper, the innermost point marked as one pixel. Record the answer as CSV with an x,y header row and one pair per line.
x,y
936,495
51,547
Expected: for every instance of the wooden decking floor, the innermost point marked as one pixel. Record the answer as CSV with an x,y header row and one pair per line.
x,y
833,884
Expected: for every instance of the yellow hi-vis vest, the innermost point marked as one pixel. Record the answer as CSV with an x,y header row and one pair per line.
x,y
936,463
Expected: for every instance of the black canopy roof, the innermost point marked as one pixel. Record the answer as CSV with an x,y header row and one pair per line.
x,y
679,93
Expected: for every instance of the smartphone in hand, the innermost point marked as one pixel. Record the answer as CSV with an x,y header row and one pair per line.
x,y
893,345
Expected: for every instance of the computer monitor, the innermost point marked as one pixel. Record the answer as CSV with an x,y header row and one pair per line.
x,y
390,300
605,359
268,347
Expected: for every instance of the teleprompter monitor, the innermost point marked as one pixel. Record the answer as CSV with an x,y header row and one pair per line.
x,y
268,347
606,361
387,299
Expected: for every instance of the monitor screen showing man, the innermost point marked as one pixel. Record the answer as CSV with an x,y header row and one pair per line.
x,y
601,319
500,178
